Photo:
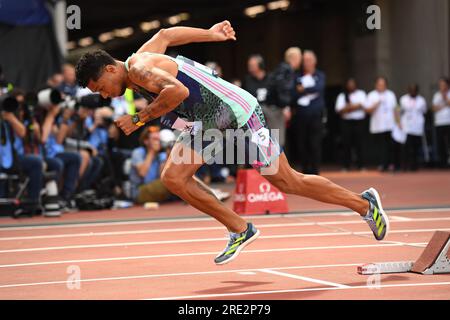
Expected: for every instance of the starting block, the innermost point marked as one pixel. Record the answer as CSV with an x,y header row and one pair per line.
x,y
434,259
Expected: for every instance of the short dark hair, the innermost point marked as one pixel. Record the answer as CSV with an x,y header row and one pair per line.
x,y
90,66
260,60
445,79
381,78
145,134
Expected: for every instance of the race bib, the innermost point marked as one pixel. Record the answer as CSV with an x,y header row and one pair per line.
x,y
261,137
187,126
173,121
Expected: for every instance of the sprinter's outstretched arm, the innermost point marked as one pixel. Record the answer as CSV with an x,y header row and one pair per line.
x,y
177,36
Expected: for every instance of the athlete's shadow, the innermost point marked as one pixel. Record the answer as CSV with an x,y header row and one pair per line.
x,y
244,286
236,287
314,291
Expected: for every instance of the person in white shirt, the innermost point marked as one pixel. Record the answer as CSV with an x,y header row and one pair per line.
x,y
380,105
441,109
413,108
350,106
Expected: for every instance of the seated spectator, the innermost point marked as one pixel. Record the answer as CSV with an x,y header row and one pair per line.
x,y
129,103
120,145
350,106
413,108
30,147
69,84
66,164
55,80
12,160
98,137
77,141
147,163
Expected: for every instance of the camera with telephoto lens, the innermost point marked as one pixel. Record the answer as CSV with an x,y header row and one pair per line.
x,y
41,99
48,97
90,101
8,103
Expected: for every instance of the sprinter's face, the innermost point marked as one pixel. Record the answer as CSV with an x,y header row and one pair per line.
x,y
110,84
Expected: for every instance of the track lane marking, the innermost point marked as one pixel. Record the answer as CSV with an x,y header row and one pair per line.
x,y
146,231
218,295
158,242
303,278
214,253
208,219
164,275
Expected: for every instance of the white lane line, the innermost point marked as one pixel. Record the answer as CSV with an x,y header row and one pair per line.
x,y
420,245
164,275
300,290
174,220
177,255
293,276
146,231
207,219
404,231
399,218
160,242
398,221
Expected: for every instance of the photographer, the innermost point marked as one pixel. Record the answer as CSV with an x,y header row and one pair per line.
x,y
68,86
98,137
66,164
13,157
78,134
110,182
30,144
147,163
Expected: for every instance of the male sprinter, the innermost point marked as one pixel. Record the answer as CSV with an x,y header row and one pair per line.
x,y
186,89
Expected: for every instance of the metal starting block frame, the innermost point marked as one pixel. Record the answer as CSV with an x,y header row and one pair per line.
x,y
434,259
386,267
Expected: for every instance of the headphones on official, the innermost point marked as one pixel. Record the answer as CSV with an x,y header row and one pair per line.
x,y
260,59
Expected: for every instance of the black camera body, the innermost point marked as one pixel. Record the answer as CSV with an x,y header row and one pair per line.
x,y
90,101
8,103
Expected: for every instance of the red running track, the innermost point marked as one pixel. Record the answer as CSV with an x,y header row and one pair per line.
x,y
298,256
